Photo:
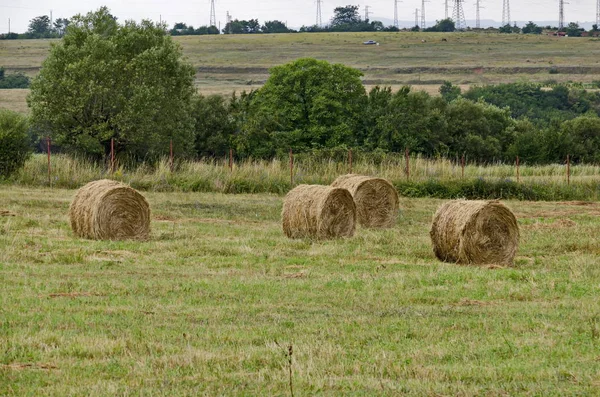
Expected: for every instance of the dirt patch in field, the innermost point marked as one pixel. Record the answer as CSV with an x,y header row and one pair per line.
x,y
7,213
561,223
74,294
24,366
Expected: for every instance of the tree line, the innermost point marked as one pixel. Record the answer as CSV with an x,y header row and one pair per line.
x,y
310,106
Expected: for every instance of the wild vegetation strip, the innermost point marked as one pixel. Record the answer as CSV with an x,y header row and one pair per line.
x,y
211,303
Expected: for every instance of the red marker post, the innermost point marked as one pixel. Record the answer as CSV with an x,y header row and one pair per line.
x,y
407,159
171,156
350,160
112,156
48,140
291,167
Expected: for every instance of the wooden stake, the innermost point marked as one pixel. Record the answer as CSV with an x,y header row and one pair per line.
x,y
230,159
350,159
462,166
518,174
112,156
291,167
48,140
407,158
171,156
568,169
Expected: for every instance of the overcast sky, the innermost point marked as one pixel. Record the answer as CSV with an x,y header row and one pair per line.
x,y
295,12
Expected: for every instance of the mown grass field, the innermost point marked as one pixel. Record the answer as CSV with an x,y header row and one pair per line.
x,y
228,63
210,304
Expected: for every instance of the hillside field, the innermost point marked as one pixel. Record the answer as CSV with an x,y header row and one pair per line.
x,y
212,302
228,63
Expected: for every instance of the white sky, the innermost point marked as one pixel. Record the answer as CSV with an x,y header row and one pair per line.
x,y
295,12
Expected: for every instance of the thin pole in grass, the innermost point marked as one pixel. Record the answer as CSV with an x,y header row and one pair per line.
x,y
112,156
291,167
518,174
568,169
48,140
462,166
407,158
171,155
230,160
350,160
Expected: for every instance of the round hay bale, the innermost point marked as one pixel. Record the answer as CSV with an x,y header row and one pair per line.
x,y
376,199
475,232
109,210
320,212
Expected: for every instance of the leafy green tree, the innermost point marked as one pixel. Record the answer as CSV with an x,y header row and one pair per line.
x,y
275,27
39,25
347,15
595,27
582,138
305,104
60,26
532,28
105,80
573,30
445,25
449,92
14,142
214,125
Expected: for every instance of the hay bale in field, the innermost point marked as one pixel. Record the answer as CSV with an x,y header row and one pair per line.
x,y
475,232
320,212
109,210
376,199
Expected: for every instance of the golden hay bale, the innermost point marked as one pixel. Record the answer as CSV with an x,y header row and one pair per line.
x,y
475,232
109,210
376,199
320,212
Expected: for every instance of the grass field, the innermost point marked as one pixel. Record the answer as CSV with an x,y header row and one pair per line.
x,y
212,302
228,63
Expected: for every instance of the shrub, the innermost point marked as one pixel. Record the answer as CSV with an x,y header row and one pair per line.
x,y
14,142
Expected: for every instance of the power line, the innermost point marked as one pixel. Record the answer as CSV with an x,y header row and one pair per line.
x,y
319,15
423,14
506,13
561,14
416,17
213,17
458,15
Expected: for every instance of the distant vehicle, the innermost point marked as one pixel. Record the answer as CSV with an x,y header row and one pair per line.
x,y
371,42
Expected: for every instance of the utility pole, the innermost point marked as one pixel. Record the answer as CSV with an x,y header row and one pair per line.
x,y
213,17
51,19
423,14
9,24
416,17
506,13
598,12
446,7
478,15
458,15
396,22
319,15
228,19
561,14
367,13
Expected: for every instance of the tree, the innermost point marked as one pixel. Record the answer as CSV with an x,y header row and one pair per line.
x,y
445,25
532,28
595,27
449,92
573,30
214,125
347,15
304,104
105,80
14,142
39,26
60,26
275,27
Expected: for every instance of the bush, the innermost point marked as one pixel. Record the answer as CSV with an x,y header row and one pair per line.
x,y
14,142
17,80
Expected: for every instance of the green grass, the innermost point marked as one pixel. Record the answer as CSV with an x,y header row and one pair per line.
x,y
441,178
209,305
228,63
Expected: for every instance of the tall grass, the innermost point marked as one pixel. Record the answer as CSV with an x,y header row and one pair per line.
x,y
428,177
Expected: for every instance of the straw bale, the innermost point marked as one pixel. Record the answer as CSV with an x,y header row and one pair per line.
x,y
320,212
475,232
109,210
376,199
